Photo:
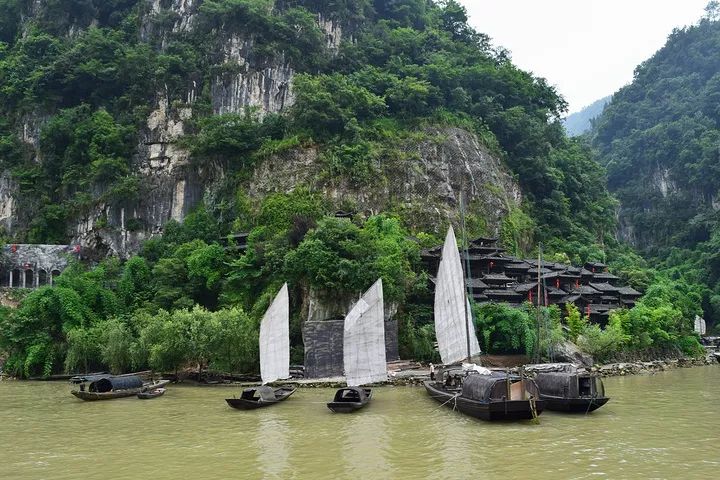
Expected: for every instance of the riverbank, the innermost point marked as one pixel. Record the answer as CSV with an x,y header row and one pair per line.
x,y
410,373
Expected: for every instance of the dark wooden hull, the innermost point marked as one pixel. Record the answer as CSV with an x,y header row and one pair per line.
x,y
349,407
95,396
573,405
490,411
281,393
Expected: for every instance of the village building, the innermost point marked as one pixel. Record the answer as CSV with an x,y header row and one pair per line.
x,y
497,277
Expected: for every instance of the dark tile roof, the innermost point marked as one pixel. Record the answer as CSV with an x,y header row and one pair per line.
x,y
496,278
605,276
584,290
475,283
629,292
604,287
501,292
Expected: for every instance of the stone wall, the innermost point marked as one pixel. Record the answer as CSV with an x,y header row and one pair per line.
x,y
30,266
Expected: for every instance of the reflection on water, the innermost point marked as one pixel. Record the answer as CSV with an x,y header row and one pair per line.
x,y
656,426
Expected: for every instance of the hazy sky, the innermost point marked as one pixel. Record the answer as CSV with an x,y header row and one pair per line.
x,y
586,48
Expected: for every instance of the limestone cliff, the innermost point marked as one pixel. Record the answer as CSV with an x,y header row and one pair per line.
x,y
426,185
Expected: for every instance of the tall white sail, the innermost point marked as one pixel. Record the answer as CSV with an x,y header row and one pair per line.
x,y
275,339
364,339
450,330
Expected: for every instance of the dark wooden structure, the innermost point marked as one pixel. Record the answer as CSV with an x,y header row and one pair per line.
x,y
259,397
349,399
496,277
499,396
108,387
571,392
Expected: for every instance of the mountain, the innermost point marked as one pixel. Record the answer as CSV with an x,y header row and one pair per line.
x,y
120,116
580,122
659,138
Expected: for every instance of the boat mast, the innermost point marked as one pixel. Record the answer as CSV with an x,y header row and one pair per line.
x,y
466,274
537,309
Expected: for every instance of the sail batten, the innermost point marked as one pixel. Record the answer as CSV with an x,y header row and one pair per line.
x,y
364,339
275,339
450,301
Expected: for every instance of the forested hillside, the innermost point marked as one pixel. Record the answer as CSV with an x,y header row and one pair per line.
x,y
153,130
580,122
659,139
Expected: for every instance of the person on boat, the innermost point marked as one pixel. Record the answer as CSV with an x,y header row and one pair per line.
x,y
432,372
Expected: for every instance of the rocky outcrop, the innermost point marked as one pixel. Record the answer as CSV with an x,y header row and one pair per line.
x,y
242,86
425,185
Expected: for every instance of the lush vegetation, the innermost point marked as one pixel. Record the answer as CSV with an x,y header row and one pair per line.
x,y
659,140
86,75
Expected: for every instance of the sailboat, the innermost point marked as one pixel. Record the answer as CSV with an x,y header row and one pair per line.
x,y
363,351
476,391
274,357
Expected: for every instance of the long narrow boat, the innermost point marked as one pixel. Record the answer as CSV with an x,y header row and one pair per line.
x,y
364,358
108,387
497,396
571,391
274,357
258,397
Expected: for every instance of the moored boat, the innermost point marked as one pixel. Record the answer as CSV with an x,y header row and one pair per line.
x,y
571,391
262,396
158,392
497,396
108,387
364,358
274,357
349,399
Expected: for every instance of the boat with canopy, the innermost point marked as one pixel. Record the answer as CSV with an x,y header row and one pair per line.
x,y
364,358
274,357
473,390
108,387
571,391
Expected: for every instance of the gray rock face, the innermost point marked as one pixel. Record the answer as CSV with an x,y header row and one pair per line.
x,y
267,89
425,186
569,352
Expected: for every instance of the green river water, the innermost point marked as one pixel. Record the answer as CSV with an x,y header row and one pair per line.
x,y
656,426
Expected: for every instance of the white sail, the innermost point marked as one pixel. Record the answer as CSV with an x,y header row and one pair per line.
x,y
364,339
275,339
450,330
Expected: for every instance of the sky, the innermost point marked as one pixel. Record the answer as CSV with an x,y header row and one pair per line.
x,y
587,49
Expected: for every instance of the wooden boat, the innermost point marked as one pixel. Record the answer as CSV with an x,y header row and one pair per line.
x,y
158,392
497,396
364,358
258,397
571,391
108,387
479,393
349,399
274,357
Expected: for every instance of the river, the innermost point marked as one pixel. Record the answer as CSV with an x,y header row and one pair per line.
x,y
656,426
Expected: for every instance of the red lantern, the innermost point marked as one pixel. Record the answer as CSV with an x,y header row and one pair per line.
x,y
577,283
557,283
588,311
530,298
13,248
